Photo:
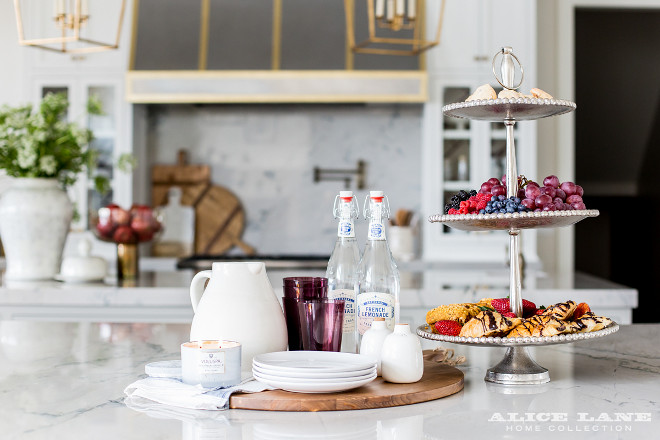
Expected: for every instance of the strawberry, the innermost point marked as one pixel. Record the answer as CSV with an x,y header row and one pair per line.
x,y
509,315
447,327
502,305
540,310
580,310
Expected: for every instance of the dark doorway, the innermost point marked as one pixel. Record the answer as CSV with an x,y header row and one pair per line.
x,y
617,149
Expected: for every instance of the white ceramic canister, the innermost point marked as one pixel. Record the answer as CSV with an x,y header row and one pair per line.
x,y
401,356
211,364
35,216
372,340
238,304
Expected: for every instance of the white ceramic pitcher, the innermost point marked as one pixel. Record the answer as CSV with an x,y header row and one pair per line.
x,y
238,304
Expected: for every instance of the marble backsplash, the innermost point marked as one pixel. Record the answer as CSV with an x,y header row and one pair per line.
x,y
266,154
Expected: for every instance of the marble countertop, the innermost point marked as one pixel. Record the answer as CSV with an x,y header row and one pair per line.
x,y
66,381
162,294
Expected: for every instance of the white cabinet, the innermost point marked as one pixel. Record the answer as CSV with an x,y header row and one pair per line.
x,y
81,76
473,30
111,135
460,154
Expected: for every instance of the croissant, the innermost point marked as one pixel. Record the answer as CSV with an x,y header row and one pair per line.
x,y
561,311
589,322
489,323
538,326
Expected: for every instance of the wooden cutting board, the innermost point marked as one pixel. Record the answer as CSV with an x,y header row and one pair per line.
x,y
219,222
219,215
439,380
192,179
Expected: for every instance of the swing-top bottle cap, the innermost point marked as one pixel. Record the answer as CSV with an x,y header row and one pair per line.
x,y
346,196
377,195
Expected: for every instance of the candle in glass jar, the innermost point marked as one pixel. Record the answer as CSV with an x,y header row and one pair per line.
x,y
211,364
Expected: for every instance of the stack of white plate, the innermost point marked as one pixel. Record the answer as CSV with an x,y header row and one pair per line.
x,y
313,371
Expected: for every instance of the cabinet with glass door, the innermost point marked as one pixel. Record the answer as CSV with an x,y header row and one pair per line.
x,y
465,153
110,141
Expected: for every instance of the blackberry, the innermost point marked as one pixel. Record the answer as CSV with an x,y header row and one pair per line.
x,y
473,193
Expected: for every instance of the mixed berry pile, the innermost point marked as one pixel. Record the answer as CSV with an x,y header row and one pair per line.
x,y
531,197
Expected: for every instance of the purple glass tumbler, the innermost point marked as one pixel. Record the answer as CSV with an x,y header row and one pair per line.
x,y
306,287
321,323
292,318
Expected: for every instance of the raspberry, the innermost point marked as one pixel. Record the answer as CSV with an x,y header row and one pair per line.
x,y
464,204
453,211
447,327
463,210
482,205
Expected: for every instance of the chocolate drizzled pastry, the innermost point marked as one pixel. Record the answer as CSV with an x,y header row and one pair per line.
x,y
489,323
589,322
561,311
542,325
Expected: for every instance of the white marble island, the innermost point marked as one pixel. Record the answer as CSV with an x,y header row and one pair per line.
x,y
161,295
66,381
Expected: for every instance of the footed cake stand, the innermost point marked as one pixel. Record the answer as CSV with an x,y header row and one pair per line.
x,y
517,367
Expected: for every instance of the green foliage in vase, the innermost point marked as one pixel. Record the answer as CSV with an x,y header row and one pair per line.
x,y
40,143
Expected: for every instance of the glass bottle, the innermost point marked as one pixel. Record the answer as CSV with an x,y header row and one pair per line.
x,y
342,267
378,277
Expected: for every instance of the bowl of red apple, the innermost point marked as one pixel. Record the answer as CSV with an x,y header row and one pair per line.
x,y
139,224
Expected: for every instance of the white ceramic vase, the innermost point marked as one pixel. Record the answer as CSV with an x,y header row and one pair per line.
x,y
401,356
372,340
35,216
239,305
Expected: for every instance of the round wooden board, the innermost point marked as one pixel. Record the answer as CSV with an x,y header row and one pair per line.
x,y
438,381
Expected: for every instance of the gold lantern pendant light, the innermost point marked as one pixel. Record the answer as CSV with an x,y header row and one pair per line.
x,y
70,18
393,16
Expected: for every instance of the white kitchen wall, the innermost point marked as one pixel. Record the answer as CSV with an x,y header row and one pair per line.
x,y
266,155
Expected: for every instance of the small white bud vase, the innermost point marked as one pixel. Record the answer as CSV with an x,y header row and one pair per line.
x,y
401,356
372,340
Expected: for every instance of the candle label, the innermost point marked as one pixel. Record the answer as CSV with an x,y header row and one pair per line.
x,y
346,229
211,362
348,295
372,305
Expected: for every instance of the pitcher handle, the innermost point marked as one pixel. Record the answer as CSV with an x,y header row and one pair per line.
x,y
197,287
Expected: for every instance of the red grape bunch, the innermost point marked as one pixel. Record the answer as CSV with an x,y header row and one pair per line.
x,y
552,196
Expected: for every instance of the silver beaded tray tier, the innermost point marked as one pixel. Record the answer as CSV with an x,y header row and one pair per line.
x,y
499,110
517,220
425,332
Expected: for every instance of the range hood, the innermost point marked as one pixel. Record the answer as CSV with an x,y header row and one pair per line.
x,y
259,51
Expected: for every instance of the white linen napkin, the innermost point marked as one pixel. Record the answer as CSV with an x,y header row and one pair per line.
x,y
176,393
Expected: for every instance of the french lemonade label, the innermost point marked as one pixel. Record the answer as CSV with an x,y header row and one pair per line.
x,y
348,295
372,305
346,229
376,230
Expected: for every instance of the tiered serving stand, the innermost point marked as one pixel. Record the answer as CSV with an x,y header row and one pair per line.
x,y
517,367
